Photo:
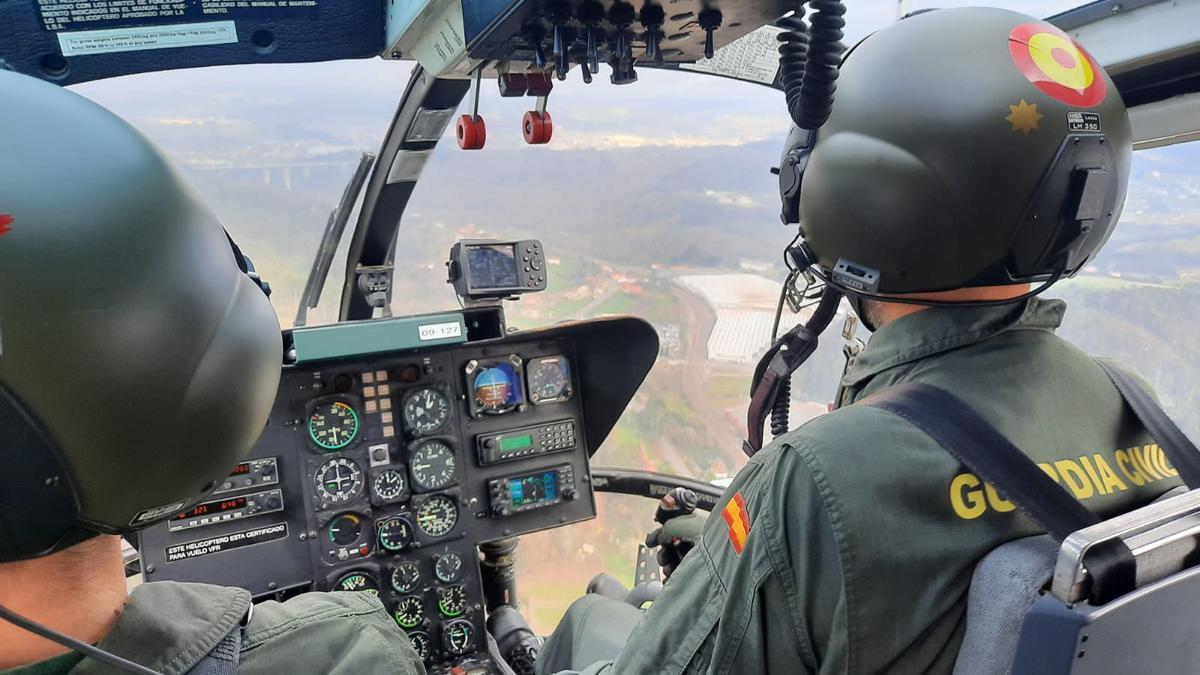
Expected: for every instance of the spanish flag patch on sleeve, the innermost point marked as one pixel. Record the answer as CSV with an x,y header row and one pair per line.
x,y
737,519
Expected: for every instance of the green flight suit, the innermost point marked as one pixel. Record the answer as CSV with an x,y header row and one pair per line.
x,y
168,626
863,533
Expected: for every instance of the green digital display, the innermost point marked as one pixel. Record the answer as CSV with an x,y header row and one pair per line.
x,y
516,442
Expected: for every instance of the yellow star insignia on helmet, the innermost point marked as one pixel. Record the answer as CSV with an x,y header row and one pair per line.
x,y
1024,116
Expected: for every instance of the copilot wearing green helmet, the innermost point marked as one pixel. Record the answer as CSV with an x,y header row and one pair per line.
x,y
972,157
138,363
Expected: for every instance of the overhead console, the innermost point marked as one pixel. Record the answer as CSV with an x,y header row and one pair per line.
x,y
394,449
72,41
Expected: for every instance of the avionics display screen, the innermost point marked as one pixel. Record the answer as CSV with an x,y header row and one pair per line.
x,y
540,487
492,266
516,442
240,469
209,508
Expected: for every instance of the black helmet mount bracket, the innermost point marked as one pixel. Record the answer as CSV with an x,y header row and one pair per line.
x,y
791,172
809,61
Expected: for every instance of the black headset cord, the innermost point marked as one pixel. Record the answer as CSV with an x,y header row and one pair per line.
x,y
73,644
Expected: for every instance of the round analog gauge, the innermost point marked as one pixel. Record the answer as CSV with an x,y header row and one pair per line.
x,y
357,581
339,480
395,534
452,601
458,636
333,426
497,389
549,379
432,465
426,410
437,516
406,577
420,643
390,485
448,568
345,529
409,612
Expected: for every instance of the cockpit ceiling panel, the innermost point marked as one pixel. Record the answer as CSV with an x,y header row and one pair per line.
x,y
502,29
71,41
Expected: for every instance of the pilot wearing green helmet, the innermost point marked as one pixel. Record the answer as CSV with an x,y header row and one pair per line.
x,y
972,158
139,360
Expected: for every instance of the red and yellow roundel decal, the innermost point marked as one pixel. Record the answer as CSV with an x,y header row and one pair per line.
x,y
1057,65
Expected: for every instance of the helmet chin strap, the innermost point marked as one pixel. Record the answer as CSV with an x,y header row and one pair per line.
x,y
772,376
856,302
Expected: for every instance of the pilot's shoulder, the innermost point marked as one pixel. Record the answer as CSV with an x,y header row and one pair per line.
x,y
858,443
328,633
855,430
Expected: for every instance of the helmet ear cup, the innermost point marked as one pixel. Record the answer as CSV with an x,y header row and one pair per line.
x,y
1073,212
37,502
142,369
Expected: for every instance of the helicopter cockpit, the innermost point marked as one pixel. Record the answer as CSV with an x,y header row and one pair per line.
x,y
406,455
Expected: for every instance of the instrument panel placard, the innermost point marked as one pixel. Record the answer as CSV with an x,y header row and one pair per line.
x,y
226,542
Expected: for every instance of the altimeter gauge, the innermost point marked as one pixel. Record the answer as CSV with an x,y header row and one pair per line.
x,y
432,465
426,411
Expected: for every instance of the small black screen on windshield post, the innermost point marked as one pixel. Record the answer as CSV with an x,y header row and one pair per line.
x,y
492,266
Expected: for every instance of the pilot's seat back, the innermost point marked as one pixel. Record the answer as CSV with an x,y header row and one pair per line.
x,y
1009,582
1088,596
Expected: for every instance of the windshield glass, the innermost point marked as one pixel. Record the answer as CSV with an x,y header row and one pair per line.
x,y
653,200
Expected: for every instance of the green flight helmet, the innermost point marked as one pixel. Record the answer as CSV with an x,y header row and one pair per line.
x,y
966,147
138,362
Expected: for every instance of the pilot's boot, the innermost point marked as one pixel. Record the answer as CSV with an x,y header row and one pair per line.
x,y
607,585
516,640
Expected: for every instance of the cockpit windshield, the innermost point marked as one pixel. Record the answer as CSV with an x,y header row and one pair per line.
x,y
656,202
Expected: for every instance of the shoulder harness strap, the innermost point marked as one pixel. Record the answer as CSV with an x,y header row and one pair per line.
x,y
993,458
1178,447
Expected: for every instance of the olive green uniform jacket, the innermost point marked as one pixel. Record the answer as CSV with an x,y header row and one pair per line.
x,y
168,626
863,533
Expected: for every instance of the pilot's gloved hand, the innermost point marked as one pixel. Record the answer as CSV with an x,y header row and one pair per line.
x,y
681,528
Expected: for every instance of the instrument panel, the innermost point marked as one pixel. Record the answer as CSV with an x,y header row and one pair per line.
x,y
383,474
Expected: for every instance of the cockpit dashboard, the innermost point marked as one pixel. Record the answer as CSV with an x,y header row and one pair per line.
x,y
394,450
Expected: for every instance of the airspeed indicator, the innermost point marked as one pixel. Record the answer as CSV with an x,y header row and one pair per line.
x,y
333,426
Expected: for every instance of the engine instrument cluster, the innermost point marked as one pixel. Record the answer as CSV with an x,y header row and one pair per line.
x,y
382,474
